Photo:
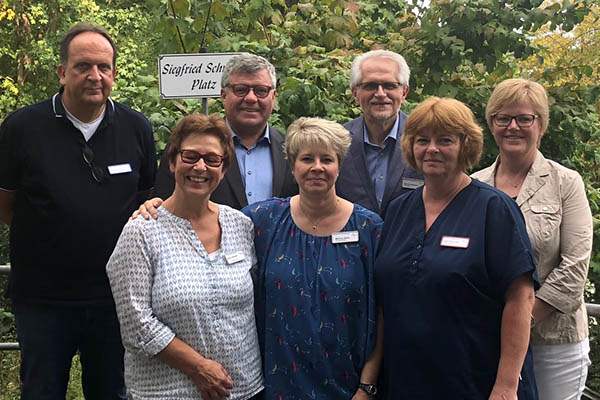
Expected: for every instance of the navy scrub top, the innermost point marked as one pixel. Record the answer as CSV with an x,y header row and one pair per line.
x,y
442,293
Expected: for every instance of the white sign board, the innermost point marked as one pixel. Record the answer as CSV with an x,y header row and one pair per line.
x,y
191,75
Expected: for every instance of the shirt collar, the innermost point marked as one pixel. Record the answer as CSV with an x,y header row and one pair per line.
x,y
393,133
266,137
60,112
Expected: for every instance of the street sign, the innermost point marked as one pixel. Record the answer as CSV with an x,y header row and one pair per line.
x,y
191,75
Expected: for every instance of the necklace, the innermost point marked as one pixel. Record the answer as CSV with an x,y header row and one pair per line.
x,y
314,224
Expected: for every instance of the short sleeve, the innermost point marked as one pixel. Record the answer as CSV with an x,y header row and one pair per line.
x,y
507,247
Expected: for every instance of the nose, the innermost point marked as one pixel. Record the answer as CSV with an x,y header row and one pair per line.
x,y
94,73
380,91
513,124
250,97
432,147
317,165
200,165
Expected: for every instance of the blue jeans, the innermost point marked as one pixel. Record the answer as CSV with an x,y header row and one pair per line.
x,y
49,335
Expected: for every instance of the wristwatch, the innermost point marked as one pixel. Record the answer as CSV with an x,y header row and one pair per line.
x,y
369,388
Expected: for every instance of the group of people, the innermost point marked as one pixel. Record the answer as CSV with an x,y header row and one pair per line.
x,y
329,262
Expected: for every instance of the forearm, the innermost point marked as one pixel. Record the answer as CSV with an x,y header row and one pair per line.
x,y
7,201
514,337
182,357
370,371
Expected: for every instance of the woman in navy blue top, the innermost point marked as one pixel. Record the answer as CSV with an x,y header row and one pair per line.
x,y
315,302
455,275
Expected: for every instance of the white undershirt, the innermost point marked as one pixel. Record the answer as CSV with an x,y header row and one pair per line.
x,y
87,128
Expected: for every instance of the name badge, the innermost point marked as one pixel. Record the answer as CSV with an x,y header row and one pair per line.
x,y
412,183
455,241
234,257
344,237
119,169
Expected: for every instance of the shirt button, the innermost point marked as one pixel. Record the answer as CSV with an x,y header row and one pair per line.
x,y
249,193
418,247
249,172
248,152
414,262
380,177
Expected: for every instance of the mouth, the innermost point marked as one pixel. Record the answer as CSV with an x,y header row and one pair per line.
x,y
197,179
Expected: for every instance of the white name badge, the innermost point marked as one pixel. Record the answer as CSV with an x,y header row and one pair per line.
x,y
411,183
119,169
344,237
455,241
234,257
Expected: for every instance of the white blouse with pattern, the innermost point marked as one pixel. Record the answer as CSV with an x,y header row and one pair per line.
x,y
165,284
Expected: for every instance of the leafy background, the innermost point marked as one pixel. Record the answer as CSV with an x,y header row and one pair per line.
x,y
460,49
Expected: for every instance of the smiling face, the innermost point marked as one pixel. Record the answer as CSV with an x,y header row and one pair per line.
x,y
248,114
514,140
198,179
437,154
316,170
380,106
89,74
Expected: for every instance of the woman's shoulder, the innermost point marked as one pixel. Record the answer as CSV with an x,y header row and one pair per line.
x,y
366,215
561,171
267,207
232,214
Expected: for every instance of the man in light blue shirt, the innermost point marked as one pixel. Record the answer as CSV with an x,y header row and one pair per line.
x,y
373,173
259,170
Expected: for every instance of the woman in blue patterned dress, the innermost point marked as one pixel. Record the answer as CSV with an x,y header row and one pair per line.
x,y
315,308
182,283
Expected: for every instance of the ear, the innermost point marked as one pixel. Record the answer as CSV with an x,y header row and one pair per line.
x,y
172,166
355,95
114,72
406,90
223,94
60,71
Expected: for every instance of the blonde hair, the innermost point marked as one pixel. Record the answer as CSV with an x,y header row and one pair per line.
x,y
519,91
319,132
449,116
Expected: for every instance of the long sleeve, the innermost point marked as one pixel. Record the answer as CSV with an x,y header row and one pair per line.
x,y
130,270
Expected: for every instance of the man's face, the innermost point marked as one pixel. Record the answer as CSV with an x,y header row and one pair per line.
x,y
89,74
379,105
248,113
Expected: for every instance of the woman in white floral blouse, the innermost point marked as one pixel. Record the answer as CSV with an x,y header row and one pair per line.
x,y
182,283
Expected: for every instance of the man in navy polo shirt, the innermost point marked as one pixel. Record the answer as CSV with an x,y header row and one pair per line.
x,y
72,169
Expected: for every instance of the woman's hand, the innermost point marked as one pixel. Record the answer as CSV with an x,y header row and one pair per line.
x,y
503,394
148,209
212,380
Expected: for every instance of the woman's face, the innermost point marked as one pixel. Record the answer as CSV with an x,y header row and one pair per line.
x,y
514,139
437,154
198,178
316,169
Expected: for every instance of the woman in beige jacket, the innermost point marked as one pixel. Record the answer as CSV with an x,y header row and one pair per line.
x,y
559,223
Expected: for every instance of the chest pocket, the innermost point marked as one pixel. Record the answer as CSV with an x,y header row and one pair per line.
x,y
545,218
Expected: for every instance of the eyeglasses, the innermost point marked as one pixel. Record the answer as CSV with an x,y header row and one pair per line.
x,y
260,91
373,86
522,120
88,156
210,159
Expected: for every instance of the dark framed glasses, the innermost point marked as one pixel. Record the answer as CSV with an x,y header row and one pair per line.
x,y
210,159
373,86
522,120
88,156
260,91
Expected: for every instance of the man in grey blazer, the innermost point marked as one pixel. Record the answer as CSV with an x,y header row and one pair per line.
x,y
259,170
374,173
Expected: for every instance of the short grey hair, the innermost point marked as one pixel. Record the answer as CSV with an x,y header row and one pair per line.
x,y
246,63
403,69
307,132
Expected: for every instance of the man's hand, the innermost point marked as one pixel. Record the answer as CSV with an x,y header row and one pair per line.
x,y
212,380
362,395
148,209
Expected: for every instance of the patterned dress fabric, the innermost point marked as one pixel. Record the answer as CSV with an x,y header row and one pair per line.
x,y
315,303
165,284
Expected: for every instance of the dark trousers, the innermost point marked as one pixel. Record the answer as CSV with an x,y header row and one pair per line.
x,y
49,335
